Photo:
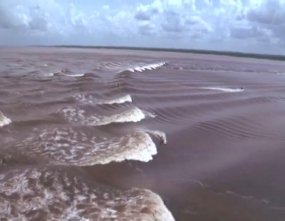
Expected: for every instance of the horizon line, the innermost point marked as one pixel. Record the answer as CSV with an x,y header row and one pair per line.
x,y
181,50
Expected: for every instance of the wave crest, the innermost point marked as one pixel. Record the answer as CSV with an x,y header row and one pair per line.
x,y
4,120
69,147
223,89
77,115
88,99
71,196
145,67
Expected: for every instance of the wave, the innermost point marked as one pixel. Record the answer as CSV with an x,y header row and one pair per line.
x,y
75,75
159,134
4,120
88,123
146,67
113,67
77,115
71,196
223,89
65,146
85,99
60,73
51,74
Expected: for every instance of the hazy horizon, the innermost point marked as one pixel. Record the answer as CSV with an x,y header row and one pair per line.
x,y
248,26
259,55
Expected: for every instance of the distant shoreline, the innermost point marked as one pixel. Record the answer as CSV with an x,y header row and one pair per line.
x,y
209,52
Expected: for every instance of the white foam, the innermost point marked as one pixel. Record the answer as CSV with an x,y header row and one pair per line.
x,y
76,115
100,202
4,120
49,74
91,100
143,149
69,147
223,89
74,75
63,74
147,67
161,135
119,100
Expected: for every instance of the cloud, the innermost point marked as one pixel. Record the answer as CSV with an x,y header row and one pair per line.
x,y
9,20
145,13
172,22
147,30
269,16
206,24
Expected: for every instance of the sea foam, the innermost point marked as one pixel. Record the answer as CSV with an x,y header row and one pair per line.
x,y
147,67
66,146
89,99
70,196
223,89
79,116
4,120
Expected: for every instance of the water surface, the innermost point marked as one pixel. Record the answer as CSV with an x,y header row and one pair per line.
x,y
97,134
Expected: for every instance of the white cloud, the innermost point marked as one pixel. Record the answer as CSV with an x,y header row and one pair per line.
x,y
207,24
269,16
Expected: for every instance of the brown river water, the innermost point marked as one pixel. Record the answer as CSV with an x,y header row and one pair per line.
x,y
104,134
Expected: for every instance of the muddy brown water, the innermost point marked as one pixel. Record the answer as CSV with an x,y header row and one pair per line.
x,y
86,133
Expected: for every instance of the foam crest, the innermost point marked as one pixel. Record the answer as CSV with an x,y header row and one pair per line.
x,y
88,99
4,120
112,66
49,74
147,67
61,73
77,115
66,146
75,75
159,134
24,196
223,89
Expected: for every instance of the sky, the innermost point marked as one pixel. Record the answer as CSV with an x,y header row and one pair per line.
x,y
256,26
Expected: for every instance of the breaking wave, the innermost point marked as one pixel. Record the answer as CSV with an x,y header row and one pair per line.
x,y
146,67
89,99
61,194
66,146
63,73
65,126
223,89
4,120
80,116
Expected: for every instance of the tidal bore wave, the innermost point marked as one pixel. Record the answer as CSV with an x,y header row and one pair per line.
x,y
120,135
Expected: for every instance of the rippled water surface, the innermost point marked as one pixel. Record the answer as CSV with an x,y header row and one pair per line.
x,y
101,134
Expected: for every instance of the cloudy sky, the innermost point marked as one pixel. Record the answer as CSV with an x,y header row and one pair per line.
x,y
233,25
